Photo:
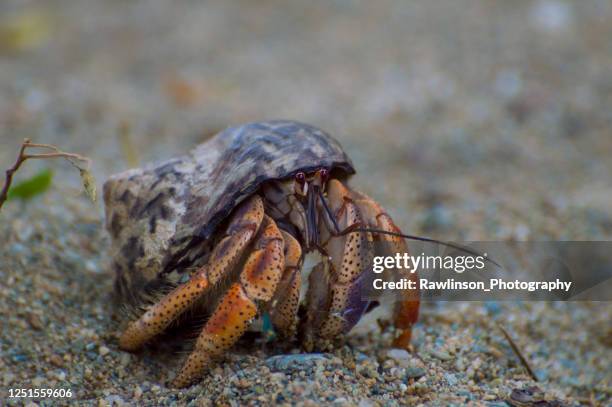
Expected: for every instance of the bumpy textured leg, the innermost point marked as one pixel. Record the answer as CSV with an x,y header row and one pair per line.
x,y
286,302
242,228
407,307
351,258
237,309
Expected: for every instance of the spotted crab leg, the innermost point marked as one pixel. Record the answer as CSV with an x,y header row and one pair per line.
x,y
406,310
238,307
240,232
286,301
350,258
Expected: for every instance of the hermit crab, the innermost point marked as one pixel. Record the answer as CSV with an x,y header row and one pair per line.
x,y
223,231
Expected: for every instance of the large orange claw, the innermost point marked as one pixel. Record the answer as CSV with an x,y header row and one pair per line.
x,y
406,311
350,258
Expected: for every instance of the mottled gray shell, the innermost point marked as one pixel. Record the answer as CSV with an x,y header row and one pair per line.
x,y
159,216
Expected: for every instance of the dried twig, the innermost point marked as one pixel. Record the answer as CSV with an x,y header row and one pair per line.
x,y
78,161
518,352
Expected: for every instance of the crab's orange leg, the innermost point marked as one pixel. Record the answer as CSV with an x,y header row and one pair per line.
x,y
242,228
286,301
407,307
237,309
350,257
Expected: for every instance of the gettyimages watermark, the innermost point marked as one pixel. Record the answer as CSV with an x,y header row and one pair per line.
x,y
484,271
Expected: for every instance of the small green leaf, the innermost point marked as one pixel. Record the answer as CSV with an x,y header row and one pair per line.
x,y
33,186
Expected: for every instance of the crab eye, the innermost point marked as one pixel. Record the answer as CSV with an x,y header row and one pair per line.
x,y
324,174
300,177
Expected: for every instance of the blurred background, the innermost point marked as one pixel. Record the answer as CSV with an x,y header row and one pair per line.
x,y
473,120
453,108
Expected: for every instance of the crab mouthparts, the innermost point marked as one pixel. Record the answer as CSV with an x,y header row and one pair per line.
x,y
312,219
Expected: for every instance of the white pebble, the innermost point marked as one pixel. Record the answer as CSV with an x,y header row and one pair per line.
x,y
398,354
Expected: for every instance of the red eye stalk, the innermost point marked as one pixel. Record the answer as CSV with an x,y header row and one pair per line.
x,y
324,174
300,177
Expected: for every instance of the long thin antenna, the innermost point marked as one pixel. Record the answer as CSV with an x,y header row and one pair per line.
x,y
356,228
422,239
328,211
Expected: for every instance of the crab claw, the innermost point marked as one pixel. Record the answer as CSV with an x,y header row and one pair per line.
x,y
338,294
335,300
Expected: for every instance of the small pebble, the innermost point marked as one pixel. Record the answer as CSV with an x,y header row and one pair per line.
x,y
451,379
415,372
34,321
296,362
398,354
56,360
125,359
440,355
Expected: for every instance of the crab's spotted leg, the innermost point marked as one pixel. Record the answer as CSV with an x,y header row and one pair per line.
x,y
160,315
242,228
351,257
407,307
286,301
258,281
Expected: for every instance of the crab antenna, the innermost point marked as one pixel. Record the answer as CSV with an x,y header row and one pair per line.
x,y
422,239
329,212
354,228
